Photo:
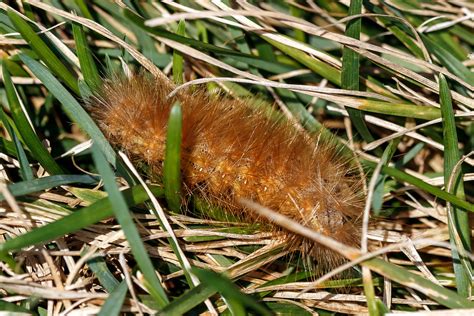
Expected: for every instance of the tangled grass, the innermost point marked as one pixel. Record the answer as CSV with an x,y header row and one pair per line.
x,y
392,80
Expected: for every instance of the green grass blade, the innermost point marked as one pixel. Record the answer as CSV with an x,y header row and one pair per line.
x,y
84,9
181,39
400,31
172,169
436,292
299,35
288,279
14,68
405,177
262,64
99,267
350,59
28,11
88,67
459,219
238,56
72,108
8,308
400,109
121,211
75,221
25,170
288,309
37,185
350,72
42,49
189,300
178,60
448,42
230,291
387,155
26,130
449,61
7,147
370,292
87,195
203,34
319,67
114,302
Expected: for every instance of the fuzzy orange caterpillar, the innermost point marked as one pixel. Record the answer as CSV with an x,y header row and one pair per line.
x,y
231,150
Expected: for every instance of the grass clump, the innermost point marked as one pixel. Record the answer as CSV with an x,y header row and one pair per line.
x,y
81,232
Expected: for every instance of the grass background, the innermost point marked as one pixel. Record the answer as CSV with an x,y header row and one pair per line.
x,y
393,81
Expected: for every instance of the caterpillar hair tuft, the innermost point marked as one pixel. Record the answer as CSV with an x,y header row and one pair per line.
x,y
231,150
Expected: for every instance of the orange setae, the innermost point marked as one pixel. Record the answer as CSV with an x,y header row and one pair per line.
x,y
231,150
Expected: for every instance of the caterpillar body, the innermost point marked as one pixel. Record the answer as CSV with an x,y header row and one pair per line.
x,y
231,150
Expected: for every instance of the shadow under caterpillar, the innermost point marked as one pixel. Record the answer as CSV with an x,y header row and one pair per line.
x,y
231,150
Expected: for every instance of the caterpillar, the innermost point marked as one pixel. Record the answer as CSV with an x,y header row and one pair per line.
x,y
232,149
